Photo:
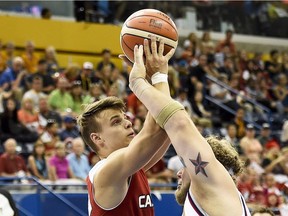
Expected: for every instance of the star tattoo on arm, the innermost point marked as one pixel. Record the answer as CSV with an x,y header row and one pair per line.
x,y
199,165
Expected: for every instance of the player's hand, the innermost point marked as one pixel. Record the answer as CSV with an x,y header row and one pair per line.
x,y
138,69
155,61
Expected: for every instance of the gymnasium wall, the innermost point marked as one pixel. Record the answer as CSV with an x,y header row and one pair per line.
x,y
75,42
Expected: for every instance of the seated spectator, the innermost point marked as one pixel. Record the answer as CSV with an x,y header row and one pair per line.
x,y
231,136
70,129
30,58
78,160
35,93
12,164
78,96
265,134
250,146
227,42
13,78
183,99
272,65
60,99
51,60
37,162
28,116
198,107
71,72
11,126
45,113
59,167
239,122
104,63
48,81
8,55
7,204
275,161
86,77
96,92
50,137
281,93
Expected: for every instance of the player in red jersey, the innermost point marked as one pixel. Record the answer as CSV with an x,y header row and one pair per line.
x,y
117,184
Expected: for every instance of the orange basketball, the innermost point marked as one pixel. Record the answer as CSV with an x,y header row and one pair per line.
x,y
141,25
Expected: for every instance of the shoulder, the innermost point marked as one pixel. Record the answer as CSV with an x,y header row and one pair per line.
x,y
95,169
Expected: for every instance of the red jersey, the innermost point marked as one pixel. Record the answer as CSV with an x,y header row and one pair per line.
x,y
137,201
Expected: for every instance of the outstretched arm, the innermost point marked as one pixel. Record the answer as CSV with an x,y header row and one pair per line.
x,y
206,173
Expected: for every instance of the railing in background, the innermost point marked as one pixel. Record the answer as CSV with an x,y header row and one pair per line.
x,y
236,92
39,185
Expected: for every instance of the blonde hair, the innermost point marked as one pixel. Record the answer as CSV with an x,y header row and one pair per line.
x,y
226,155
88,123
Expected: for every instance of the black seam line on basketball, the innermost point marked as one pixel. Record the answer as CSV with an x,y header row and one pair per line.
x,y
152,33
140,37
155,17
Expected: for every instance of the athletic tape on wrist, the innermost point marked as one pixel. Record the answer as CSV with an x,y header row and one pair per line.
x,y
166,113
158,78
138,86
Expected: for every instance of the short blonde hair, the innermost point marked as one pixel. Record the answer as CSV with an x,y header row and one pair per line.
x,y
88,123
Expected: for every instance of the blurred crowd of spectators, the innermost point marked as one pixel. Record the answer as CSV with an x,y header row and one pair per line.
x,y
39,103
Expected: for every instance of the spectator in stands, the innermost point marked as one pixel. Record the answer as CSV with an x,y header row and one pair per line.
x,y
262,211
51,60
12,78
192,42
183,99
37,162
78,160
281,93
174,82
239,122
198,107
133,103
227,42
46,113
8,55
284,133
78,96
35,93
284,67
206,44
86,77
250,146
46,13
7,204
265,134
105,63
60,99
11,126
275,160
59,167
71,72
30,58
270,184
96,92
264,94
118,81
12,164
273,66
231,136
228,68
48,81
28,116
70,130
50,137
196,78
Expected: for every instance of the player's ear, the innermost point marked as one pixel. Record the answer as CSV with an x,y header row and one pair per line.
x,y
96,138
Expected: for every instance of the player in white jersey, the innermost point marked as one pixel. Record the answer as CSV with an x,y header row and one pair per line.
x,y
210,183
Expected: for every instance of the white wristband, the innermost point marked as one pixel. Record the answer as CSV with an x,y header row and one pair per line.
x,y
159,77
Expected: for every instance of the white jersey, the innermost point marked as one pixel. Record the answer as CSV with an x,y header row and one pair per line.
x,y
192,208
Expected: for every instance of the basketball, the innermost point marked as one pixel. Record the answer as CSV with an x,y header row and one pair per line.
x,y
142,24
